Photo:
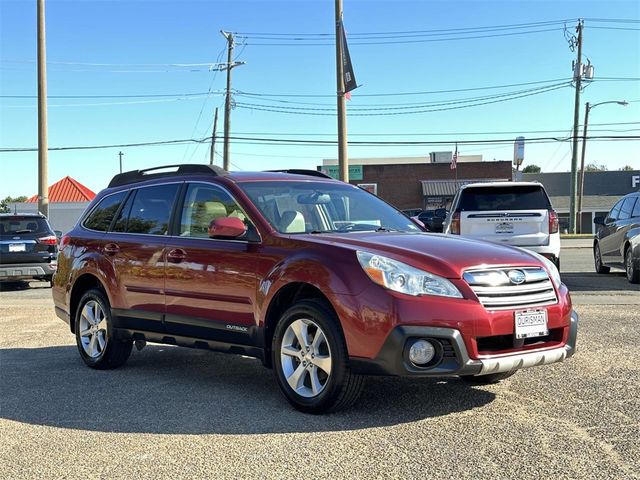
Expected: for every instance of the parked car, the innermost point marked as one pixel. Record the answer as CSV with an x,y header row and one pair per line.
x,y
510,213
617,240
28,248
433,219
412,212
320,280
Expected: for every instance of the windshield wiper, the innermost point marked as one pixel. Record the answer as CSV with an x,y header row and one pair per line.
x,y
386,229
314,232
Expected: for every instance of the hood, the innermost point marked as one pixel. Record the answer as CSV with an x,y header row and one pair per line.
x,y
445,255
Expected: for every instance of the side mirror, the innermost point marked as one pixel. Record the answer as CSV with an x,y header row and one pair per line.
x,y
58,234
441,213
227,227
598,220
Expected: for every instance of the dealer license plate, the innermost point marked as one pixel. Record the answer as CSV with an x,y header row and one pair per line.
x,y
504,228
17,247
531,323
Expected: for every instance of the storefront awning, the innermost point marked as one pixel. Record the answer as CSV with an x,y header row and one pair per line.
x,y
448,188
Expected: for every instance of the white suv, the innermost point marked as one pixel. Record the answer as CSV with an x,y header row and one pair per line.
x,y
510,213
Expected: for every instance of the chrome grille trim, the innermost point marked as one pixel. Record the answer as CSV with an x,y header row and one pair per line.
x,y
496,292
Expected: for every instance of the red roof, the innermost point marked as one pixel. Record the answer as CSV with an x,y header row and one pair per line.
x,y
67,190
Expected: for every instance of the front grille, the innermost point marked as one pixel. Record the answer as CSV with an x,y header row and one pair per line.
x,y
496,291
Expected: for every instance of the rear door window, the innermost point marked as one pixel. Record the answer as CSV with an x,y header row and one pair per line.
x,y
515,197
626,208
151,210
102,215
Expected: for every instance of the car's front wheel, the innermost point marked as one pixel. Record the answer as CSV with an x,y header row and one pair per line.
x,y
597,260
631,267
95,336
310,359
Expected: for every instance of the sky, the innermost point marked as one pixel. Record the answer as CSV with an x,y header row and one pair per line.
x,y
116,49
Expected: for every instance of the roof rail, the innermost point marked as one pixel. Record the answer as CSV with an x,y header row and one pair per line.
x,y
134,176
301,171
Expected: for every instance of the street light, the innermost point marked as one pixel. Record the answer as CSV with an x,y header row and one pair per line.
x,y
588,107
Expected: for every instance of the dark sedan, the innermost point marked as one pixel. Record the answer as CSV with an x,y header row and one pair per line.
x,y
617,240
433,219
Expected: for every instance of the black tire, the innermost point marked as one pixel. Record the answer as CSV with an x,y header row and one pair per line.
x,y
487,379
342,387
556,262
633,271
597,260
116,351
49,279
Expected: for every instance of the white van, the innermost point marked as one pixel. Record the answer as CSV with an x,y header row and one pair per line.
x,y
510,213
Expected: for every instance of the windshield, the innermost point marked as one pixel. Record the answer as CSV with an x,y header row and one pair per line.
x,y
323,207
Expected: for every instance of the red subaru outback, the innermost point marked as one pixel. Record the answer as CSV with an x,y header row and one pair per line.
x,y
320,280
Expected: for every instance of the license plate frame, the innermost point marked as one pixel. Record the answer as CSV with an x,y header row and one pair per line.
x,y
17,247
531,323
504,227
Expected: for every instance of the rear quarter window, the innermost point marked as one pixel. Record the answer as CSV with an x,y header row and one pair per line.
x,y
102,215
515,197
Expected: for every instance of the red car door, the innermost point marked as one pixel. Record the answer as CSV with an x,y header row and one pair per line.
x,y
210,283
136,247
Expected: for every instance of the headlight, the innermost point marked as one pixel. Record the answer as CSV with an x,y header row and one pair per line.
x,y
403,278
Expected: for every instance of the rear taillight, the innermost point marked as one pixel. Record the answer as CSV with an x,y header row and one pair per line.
x,y
50,240
64,241
553,221
455,224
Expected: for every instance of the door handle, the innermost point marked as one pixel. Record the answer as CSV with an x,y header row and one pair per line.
x,y
176,255
111,248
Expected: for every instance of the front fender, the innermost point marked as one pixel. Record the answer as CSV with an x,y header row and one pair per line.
x,y
335,273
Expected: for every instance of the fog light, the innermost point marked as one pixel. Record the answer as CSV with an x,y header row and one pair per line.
x,y
421,352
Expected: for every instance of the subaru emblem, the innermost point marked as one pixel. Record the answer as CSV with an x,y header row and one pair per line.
x,y
516,276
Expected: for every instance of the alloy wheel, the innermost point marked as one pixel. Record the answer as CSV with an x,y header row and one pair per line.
x,y
93,329
597,257
629,265
305,357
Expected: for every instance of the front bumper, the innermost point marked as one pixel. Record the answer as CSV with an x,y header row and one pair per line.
x,y
453,357
25,271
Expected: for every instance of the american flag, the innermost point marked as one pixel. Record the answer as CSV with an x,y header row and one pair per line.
x,y
454,159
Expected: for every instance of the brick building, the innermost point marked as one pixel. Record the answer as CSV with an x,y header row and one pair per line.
x,y
418,182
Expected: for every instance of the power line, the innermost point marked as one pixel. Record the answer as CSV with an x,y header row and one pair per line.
x,y
274,109
292,142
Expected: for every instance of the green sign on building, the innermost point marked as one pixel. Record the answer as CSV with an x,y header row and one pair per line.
x,y
355,171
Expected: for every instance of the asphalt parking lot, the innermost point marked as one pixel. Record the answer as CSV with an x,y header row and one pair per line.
x,y
180,413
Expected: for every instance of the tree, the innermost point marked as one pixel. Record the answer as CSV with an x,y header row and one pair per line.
x,y
627,168
4,204
531,169
594,167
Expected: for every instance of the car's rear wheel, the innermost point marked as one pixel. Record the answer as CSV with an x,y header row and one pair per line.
x,y
310,359
633,270
597,260
487,379
95,336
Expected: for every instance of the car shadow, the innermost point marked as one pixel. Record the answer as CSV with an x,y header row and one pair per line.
x,y
594,282
22,285
171,390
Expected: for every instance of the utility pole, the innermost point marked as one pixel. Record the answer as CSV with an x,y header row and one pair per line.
x,y
213,137
587,109
227,102
343,158
577,75
120,154
43,167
